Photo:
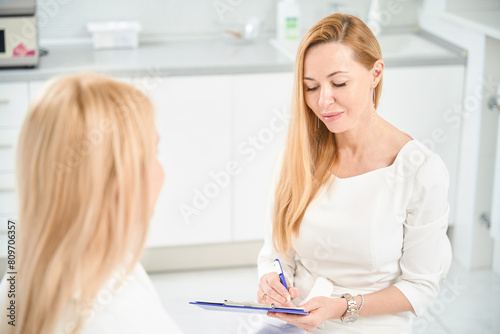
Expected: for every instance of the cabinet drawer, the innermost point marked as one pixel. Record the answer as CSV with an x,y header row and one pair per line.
x,y
7,182
8,196
13,103
8,144
8,202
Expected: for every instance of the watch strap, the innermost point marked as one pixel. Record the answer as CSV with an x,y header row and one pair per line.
x,y
352,309
351,302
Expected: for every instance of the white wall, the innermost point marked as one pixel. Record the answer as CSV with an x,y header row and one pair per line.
x,y
472,245
492,65
174,19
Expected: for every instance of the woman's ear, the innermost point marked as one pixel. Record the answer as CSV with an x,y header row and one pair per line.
x,y
376,71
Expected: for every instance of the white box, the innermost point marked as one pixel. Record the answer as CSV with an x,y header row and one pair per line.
x,y
114,34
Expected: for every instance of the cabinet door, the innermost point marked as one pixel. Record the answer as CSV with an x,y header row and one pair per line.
x,y
13,103
261,109
194,123
13,107
425,103
8,196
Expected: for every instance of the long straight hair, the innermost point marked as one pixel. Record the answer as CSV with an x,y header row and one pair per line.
x,y
84,163
310,151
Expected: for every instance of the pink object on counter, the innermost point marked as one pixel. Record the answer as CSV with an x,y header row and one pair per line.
x,y
21,51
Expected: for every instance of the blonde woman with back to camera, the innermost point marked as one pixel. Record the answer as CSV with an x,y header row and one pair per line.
x,y
88,180
360,208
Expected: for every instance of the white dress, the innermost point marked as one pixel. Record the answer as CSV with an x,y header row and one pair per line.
x,y
368,232
133,308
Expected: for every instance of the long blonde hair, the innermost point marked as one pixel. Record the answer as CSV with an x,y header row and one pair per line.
x,y
310,151
84,163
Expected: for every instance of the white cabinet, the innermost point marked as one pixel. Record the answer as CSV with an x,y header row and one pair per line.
x,y
219,138
426,103
8,198
8,144
260,110
13,106
193,119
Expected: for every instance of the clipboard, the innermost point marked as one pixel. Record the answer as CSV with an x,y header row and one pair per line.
x,y
247,307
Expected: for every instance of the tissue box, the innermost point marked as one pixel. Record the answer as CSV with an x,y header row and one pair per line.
x,y
114,34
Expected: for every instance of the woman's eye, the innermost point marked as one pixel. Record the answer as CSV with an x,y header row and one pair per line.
x,y
338,85
311,89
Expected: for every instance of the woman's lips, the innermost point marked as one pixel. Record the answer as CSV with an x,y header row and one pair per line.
x,y
332,116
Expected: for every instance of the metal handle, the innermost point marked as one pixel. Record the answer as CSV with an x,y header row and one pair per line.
x,y
485,220
494,103
4,101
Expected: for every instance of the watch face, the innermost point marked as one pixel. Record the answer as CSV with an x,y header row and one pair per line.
x,y
351,318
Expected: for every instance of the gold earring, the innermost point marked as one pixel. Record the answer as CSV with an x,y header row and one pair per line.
x,y
373,113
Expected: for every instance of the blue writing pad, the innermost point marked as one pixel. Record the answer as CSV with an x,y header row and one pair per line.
x,y
247,307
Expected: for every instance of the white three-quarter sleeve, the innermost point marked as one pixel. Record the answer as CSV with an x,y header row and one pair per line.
x,y
426,249
265,260
268,253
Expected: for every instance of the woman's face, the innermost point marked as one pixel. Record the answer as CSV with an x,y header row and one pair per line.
x,y
158,176
338,89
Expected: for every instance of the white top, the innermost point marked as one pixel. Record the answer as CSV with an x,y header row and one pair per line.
x,y
134,308
368,232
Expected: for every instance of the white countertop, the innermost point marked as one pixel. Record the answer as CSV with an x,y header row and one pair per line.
x,y
205,57
487,22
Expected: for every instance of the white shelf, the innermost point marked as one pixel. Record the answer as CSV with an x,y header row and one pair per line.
x,y
487,22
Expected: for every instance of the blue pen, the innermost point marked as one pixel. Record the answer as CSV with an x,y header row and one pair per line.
x,y
277,265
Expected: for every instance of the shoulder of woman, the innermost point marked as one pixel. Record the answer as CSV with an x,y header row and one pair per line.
x,y
417,166
425,167
135,305
419,156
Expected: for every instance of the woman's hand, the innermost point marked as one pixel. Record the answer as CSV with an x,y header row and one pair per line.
x,y
274,292
320,309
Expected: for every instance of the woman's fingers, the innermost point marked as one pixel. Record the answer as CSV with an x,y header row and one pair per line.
x,y
279,292
276,293
319,311
275,283
275,297
306,322
272,297
261,296
294,292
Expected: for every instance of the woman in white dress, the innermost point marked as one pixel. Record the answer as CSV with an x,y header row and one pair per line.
x,y
360,209
88,179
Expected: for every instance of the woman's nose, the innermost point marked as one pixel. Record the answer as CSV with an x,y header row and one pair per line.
x,y
326,98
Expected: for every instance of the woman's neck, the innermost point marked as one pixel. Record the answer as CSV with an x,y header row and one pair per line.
x,y
364,138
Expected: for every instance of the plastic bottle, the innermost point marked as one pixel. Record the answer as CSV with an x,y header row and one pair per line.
x,y
288,21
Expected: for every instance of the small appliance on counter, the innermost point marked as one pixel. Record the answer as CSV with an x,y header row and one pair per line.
x,y
114,34
18,33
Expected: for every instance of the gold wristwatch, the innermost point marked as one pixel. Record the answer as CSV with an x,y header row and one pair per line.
x,y
352,313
